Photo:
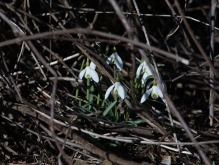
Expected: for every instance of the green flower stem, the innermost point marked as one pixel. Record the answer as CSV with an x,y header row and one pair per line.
x,y
87,62
82,65
154,83
116,76
76,93
116,97
98,98
115,72
77,90
88,94
88,89
91,97
99,90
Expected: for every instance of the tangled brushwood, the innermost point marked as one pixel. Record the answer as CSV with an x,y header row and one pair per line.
x,y
109,82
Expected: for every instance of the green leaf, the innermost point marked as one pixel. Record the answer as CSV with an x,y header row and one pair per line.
x,y
127,114
116,115
106,111
103,103
107,49
131,123
139,121
95,110
159,64
79,103
92,88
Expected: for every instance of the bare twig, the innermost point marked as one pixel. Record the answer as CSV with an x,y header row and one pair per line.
x,y
211,75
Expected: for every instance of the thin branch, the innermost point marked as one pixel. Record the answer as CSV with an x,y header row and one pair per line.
x,y
201,50
44,35
211,74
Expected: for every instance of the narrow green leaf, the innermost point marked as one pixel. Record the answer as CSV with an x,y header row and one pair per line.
x,y
107,49
79,103
106,111
139,121
159,64
116,115
92,88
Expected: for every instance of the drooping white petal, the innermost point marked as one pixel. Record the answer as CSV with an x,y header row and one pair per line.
x,y
149,85
148,69
110,59
94,75
116,59
93,66
164,100
147,72
145,96
108,91
119,63
154,92
164,85
81,74
160,94
138,72
144,66
121,91
145,77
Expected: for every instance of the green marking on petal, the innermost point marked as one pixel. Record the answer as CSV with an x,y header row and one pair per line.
x,y
116,92
154,95
88,76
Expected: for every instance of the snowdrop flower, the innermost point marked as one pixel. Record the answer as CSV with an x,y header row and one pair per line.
x,y
118,89
89,73
93,66
154,91
143,67
115,59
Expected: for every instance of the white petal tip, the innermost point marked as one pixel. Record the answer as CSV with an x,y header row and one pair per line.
x,y
81,74
94,75
108,91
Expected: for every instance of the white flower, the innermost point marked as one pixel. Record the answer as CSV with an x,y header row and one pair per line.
x,y
118,89
89,72
154,91
143,67
115,59
93,66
